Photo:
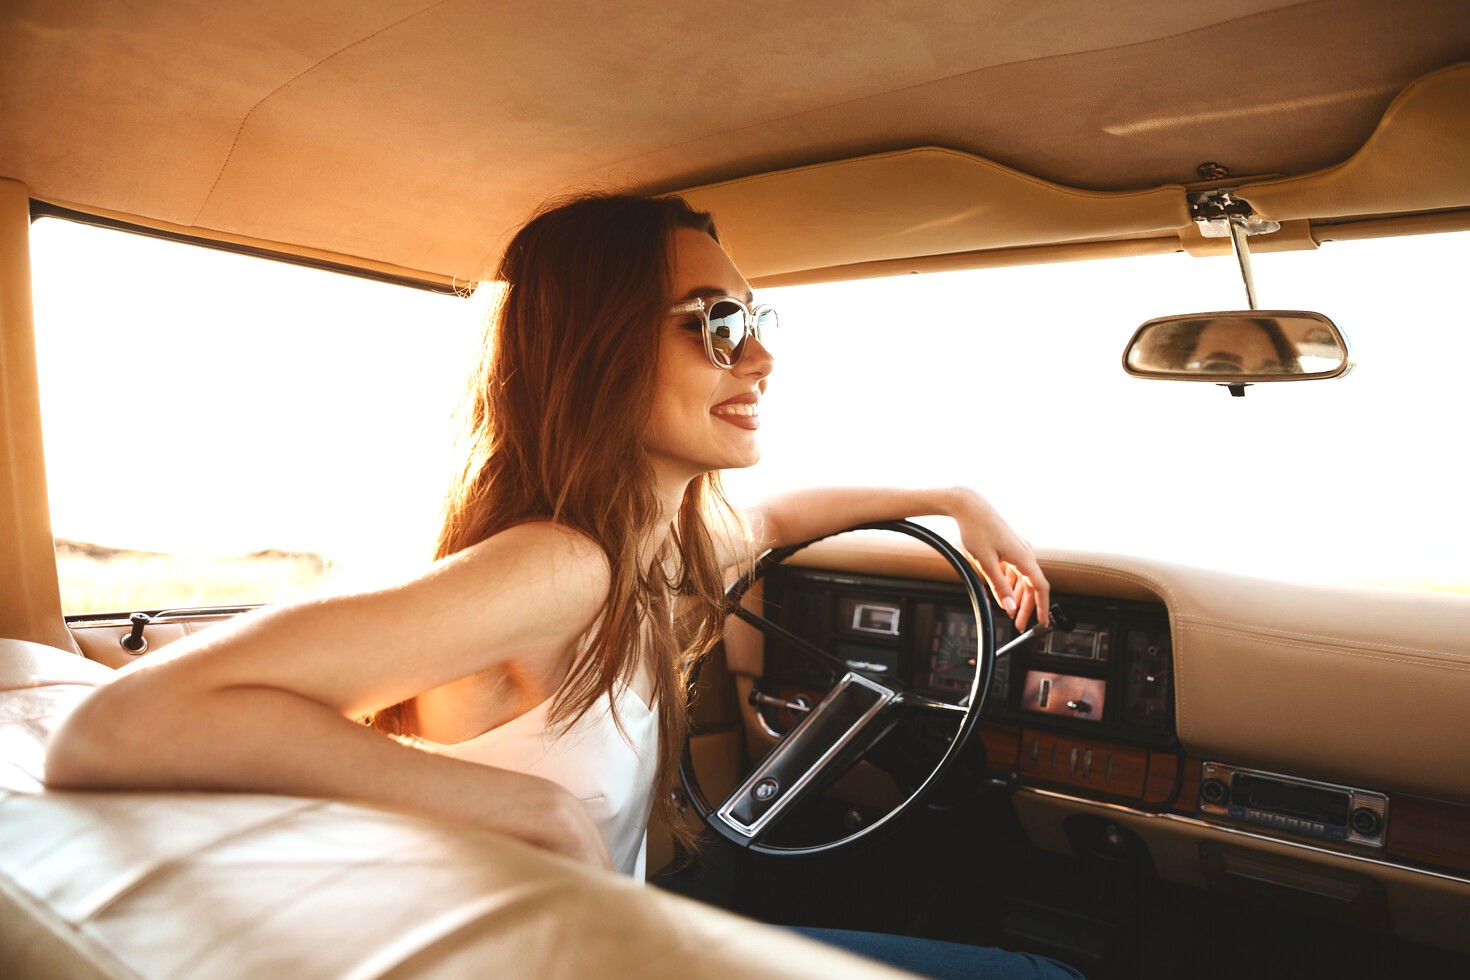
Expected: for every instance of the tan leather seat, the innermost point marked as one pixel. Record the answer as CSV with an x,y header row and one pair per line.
x,y
233,885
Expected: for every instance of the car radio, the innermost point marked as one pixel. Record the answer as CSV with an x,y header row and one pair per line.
x,y
1301,806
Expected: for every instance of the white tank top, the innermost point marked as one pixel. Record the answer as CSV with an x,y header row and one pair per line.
x,y
611,775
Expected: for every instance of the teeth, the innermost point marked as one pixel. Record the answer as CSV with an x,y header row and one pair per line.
x,y
737,409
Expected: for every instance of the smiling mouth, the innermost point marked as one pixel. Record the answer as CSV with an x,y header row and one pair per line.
x,y
741,414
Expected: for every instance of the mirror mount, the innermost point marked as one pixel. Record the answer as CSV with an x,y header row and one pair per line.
x,y
1220,214
1241,245
1213,210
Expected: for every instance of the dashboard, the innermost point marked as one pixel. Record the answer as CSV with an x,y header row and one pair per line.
x,y
1253,735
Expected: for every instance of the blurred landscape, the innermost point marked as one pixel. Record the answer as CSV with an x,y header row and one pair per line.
x,y
96,578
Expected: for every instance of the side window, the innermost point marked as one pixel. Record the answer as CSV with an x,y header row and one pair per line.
x,y
222,429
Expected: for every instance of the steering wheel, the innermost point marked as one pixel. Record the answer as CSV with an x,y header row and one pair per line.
x,y
854,715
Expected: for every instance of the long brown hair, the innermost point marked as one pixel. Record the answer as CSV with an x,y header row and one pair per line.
x,y
552,431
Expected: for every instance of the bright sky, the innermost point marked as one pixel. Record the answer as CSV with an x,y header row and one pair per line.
x,y
204,403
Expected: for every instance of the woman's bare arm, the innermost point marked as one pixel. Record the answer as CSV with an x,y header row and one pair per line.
x,y
1002,556
265,703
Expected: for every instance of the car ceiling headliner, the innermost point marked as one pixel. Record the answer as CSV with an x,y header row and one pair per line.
x,y
415,135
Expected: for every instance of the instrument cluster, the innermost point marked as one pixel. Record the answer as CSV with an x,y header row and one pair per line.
x,y
1110,670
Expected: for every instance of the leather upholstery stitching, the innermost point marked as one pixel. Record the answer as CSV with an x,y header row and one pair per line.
x,y
1262,632
1338,651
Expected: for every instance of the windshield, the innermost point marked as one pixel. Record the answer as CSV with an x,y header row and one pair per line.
x,y
223,429
1010,379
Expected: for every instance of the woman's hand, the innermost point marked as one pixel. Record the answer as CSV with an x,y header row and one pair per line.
x,y
1003,558
1000,555
567,828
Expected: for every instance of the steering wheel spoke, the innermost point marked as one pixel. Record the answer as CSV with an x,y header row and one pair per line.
x,y
837,731
908,699
798,643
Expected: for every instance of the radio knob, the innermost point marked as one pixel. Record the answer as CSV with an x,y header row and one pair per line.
x,y
1365,822
1214,791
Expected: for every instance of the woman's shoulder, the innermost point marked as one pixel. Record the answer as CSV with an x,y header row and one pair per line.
x,y
545,563
557,543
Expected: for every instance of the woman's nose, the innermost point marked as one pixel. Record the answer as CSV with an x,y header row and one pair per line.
x,y
755,361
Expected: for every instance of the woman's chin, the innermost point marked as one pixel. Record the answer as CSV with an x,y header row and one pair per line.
x,y
745,459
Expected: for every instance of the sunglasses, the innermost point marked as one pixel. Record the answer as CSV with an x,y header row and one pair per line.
x,y
728,324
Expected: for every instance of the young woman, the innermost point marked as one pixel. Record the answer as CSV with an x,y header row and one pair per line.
x,y
532,675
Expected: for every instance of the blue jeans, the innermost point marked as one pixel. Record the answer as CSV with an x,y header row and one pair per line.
x,y
943,960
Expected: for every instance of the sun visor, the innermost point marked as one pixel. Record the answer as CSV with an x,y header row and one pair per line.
x,y
921,202
1414,161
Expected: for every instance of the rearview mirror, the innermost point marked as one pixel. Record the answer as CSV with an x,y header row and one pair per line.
x,y
1239,347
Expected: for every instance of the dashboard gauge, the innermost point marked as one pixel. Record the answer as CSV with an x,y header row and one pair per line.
x,y
953,650
1089,641
1148,697
1065,695
873,617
